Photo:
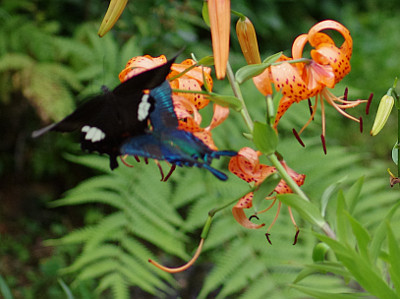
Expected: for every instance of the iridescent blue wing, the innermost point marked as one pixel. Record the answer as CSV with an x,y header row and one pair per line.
x,y
163,116
178,147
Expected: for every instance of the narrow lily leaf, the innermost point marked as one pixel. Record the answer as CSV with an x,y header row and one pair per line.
x,y
394,253
273,58
395,153
4,289
362,236
249,71
206,61
306,209
328,192
265,138
204,13
380,234
317,293
353,195
325,267
66,289
230,101
364,273
342,222
265,189
319,252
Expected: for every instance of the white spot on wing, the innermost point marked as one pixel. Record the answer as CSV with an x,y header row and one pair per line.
x,y
93,134
144,107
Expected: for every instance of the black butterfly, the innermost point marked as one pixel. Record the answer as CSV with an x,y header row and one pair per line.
x,y
106,120
117,123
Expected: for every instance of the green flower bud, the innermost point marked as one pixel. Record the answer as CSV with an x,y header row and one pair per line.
x,y
384,109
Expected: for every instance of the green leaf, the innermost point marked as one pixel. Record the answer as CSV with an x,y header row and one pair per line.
x,y
306,209
364,273
265,138
326,196
323,267
224,100
362,236
206,61
66,289
316,293
273,58
353,195
395,153
4,289
342,222
394,253
204,12
249,71
380,234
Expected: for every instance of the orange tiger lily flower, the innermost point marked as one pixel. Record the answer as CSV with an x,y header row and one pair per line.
x,y
219,12
246,166
299,81
192,80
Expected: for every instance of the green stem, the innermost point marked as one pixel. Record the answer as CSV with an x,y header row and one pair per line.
x,y
237,92
212,212
286,177
398,139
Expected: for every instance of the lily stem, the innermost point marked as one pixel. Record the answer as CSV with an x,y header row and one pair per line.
x,y
237,92
286,177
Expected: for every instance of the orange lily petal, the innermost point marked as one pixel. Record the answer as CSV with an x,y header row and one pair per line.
x,y
139,64
238,212
219,12
246,166
220,114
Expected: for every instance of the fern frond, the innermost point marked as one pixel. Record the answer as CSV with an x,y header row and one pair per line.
x,y
116,283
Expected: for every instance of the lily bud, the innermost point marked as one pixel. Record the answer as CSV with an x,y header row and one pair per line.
x,y
248,40
384,109
113,13
219,13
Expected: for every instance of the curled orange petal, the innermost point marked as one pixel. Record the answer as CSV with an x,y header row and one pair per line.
x,y
139,64
238,212
220,114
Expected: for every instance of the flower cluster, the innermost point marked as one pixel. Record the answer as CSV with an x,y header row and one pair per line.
x,y
312,78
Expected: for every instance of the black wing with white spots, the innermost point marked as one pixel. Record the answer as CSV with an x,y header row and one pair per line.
x,y
106,120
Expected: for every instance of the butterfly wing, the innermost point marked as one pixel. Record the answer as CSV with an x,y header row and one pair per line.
x,y
178,147
106,120
163,115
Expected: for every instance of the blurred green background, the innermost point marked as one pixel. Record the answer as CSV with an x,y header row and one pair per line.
x,y
51,59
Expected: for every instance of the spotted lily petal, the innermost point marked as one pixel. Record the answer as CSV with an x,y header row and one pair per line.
x,y
139,64
238,212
